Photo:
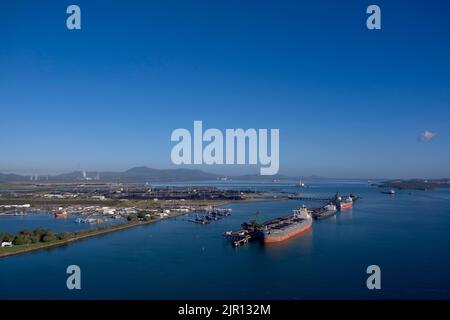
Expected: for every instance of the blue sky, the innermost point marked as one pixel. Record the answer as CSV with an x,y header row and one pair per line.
x,y
349,102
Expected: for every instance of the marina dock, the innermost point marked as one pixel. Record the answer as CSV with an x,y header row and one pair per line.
x,y
241,236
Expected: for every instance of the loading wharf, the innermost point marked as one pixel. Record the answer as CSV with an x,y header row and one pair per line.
x,y
299,221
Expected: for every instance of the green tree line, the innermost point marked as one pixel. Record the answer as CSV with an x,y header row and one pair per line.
x,y
34,236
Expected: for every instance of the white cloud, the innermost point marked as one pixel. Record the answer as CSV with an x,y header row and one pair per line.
x,y
427,136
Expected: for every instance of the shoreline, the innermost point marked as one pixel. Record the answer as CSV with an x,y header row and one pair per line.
x,y
9,251
57,243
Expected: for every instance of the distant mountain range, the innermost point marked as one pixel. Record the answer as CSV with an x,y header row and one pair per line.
x,y
138,174
143,174
12,177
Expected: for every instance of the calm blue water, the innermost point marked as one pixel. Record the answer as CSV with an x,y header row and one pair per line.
x,y
407,235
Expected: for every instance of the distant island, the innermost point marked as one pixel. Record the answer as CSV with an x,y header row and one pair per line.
x,y
417,184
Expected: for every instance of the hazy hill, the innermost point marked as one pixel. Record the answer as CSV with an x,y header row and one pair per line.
x,y
9,177
137,174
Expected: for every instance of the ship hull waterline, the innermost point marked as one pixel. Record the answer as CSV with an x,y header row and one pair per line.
x,y
274,238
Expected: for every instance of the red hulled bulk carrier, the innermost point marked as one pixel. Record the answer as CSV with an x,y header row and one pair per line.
x,y
281,229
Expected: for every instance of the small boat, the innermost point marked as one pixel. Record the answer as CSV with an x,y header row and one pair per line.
x,y
215,214
390,191
201,220
220,211
62,214
301,184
